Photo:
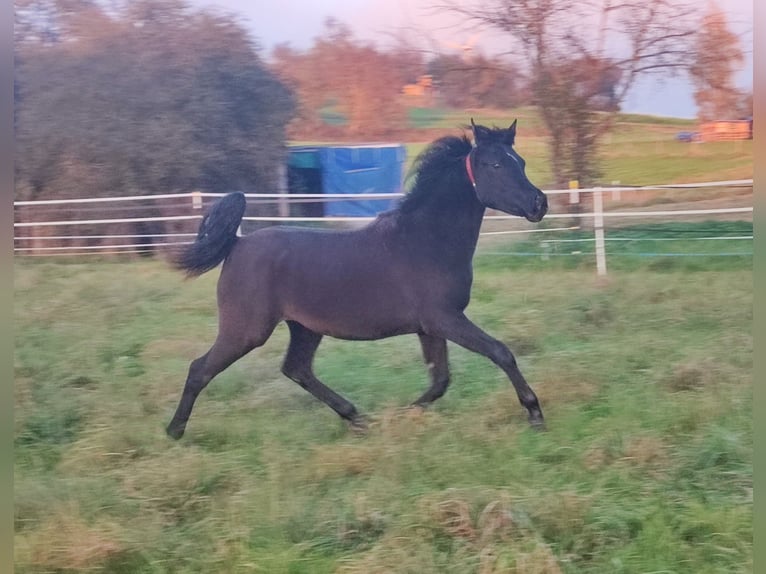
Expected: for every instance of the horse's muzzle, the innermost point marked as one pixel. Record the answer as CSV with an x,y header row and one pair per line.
x,y
541,208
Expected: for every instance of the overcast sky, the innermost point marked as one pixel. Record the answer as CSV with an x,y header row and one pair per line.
x,y
298,22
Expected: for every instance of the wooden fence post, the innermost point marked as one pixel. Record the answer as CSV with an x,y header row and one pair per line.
x,y
574,195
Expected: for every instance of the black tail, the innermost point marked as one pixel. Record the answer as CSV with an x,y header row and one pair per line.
x,y
216,236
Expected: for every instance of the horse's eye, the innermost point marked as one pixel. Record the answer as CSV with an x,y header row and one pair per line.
x,y
496,165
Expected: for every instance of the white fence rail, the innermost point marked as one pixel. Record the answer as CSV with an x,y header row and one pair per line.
x,y
32,235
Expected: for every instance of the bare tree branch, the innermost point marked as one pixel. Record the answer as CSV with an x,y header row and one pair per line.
x,y
566,45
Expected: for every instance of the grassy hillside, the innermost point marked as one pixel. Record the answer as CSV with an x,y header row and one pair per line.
x,y
646,466
641,150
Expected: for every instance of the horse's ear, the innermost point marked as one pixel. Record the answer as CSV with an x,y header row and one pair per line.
x,y
511,137
480,133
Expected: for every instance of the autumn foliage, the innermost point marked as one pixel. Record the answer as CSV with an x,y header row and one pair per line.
x,y
353,79
718,55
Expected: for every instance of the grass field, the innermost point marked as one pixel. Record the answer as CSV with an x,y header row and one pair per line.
x,y
645,378
646,465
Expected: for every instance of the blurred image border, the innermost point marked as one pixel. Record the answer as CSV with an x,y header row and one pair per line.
x,y
6,290
759,279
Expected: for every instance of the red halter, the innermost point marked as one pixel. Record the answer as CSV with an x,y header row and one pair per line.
x,y
469,169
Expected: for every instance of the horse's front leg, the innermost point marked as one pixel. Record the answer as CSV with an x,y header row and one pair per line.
x,y
459,329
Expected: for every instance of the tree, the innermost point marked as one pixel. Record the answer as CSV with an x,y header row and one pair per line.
x,y
478,81
718,56
362,82
52,22
745,105
152,98
563,44
570,101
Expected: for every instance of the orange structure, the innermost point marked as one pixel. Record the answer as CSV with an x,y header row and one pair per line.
x,y
726,130
423,87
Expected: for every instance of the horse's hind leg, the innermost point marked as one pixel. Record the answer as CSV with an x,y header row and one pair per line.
x,y
227,348
435,357
298,367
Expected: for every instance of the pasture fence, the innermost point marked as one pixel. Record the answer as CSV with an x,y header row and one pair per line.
x,y
145,224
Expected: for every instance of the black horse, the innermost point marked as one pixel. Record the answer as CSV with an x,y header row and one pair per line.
x,y
408,271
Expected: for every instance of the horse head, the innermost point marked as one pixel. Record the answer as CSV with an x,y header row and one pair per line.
x,y
497,174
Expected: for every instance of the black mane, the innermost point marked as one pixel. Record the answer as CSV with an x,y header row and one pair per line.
x,y
441,160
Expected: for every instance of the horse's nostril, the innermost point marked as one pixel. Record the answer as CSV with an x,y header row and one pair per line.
x,y
542,202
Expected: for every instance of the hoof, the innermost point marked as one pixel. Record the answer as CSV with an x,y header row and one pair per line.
x,y
536,420
359,424
537,423
175,432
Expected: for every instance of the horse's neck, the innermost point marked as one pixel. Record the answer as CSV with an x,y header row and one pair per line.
x,y
449,230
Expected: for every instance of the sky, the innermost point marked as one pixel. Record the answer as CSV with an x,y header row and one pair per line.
x,y
298,22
